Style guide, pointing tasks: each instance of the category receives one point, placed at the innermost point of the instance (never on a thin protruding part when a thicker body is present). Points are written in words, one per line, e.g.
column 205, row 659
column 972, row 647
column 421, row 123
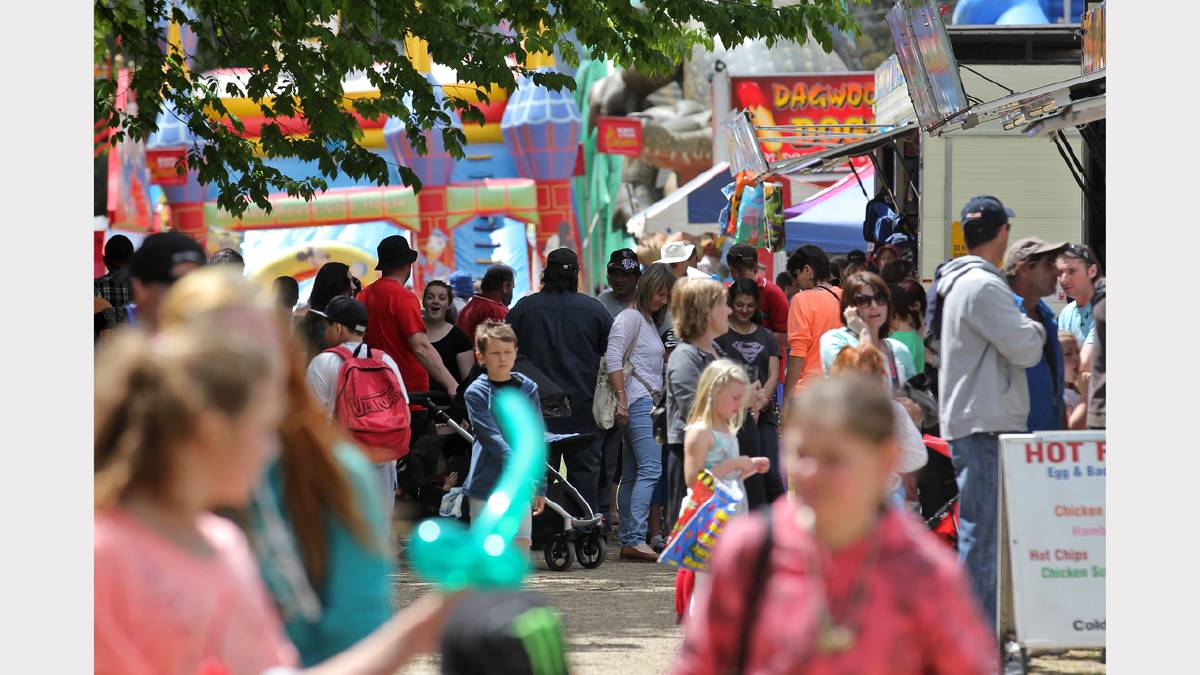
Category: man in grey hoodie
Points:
column 986, row 345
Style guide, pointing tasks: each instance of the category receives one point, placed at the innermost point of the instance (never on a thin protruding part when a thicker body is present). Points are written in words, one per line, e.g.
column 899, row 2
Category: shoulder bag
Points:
column 604, row 404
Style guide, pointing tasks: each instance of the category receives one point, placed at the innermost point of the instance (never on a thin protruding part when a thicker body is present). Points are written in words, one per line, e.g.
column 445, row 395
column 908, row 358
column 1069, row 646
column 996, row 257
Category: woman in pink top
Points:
column 185, row 422
column 833, row 581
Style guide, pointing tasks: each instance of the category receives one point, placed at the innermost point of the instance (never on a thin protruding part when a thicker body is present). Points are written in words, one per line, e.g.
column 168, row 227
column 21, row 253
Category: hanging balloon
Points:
column 483, row 557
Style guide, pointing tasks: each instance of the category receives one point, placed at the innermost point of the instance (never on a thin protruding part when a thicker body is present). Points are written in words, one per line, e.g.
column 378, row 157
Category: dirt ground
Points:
column 620, row 618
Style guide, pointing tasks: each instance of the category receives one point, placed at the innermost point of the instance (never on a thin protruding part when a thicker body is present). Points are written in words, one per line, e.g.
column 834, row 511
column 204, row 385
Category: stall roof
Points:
column 1076, row 113
column 693, row 208
column 1026, row 106
column 819, row 162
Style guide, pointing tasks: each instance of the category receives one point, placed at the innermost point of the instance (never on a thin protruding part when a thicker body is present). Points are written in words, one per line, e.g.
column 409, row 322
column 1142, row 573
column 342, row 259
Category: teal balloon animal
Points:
column 483, row 557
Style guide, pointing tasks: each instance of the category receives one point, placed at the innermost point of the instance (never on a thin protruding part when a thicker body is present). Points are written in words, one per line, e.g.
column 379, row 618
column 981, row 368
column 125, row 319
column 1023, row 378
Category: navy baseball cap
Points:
column 986, row 211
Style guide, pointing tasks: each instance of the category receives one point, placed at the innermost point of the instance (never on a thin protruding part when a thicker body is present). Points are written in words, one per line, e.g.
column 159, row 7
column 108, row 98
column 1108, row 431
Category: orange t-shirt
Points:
column 161, row 609
column 811, row 314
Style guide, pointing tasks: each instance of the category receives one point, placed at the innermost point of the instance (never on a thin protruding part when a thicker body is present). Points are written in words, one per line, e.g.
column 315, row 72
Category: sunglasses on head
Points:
column 862, row 300
column 1081, row 252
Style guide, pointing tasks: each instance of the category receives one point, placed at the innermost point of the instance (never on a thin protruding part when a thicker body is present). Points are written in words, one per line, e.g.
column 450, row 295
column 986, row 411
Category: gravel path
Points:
column 620, row 618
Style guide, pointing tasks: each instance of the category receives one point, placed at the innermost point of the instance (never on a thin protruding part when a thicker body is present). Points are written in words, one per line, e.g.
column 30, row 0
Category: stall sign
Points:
column 839, row 104
column 1053, row 494
column 619, row 136
column 162, row 161
column 1093, row 28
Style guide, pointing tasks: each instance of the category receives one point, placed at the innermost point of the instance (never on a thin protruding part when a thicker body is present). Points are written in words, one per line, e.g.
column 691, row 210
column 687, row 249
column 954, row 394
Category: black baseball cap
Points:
column 624, row 260
column 742, row 255
column 563, row 258
column 346, row 311
column 856, row 257
column 161, row 252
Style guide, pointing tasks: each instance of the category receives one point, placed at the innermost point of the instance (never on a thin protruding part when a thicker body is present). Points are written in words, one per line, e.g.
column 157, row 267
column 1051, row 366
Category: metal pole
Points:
column 722, row 103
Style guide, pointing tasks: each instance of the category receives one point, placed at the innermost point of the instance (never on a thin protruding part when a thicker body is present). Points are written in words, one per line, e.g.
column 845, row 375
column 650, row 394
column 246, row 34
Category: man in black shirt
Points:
column 565, row 334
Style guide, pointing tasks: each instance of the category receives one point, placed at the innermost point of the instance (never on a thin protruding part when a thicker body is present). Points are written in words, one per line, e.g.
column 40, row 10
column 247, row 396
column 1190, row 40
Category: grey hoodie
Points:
column 987, row 343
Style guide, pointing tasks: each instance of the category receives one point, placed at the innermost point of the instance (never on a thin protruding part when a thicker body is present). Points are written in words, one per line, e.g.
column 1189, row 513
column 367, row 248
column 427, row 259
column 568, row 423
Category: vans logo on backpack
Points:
column 374, row 404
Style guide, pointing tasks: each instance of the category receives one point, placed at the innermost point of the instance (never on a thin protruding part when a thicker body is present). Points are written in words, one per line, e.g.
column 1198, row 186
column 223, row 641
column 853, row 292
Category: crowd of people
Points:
column 250, row 448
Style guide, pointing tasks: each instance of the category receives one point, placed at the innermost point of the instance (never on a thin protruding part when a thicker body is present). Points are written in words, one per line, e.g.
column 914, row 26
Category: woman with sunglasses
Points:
column 866, row 319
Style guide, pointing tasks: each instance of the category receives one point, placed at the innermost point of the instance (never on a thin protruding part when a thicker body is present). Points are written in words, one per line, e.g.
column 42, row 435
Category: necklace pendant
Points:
column 835, row 639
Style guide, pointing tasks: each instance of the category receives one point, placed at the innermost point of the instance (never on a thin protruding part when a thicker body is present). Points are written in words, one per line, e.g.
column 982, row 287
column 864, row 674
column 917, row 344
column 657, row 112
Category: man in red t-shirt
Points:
column 773, row 303
column 394, row 320
column 491, row 302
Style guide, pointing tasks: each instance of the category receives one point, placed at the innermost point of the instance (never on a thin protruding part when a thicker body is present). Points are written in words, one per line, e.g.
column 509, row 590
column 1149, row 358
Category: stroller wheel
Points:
column 559, row 554
column 591, row 550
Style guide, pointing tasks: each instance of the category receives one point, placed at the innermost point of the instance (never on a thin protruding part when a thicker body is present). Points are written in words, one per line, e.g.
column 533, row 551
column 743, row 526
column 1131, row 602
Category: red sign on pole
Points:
column 832, row 107
column 161, row 163
column 619, row 136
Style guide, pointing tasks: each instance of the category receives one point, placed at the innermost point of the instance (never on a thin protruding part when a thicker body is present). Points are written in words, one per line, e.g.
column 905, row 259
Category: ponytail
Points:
column 150, row 393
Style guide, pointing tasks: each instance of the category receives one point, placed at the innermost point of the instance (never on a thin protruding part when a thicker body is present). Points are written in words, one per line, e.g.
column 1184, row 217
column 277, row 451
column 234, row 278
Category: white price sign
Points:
column 1054, row 504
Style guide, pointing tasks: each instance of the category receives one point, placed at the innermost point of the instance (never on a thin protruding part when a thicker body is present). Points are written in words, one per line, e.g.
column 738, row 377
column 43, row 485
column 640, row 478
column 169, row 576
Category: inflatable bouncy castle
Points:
column 508, row 200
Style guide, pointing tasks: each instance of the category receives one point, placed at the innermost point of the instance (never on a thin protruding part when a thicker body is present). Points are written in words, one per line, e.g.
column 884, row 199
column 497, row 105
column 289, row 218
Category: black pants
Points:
column 676, row 487
column 748, row 447
column 768, row 446
column 936, row 484
column 609, row 473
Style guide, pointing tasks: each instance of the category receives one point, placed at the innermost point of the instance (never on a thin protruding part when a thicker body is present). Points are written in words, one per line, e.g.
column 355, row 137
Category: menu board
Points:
column 1053, row 492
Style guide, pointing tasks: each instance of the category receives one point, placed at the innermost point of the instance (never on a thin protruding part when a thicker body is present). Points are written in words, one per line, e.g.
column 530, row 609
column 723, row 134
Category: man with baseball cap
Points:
column 1029, row 266
column 161, row 261
column 396, row 325
column 346, row 325
column 624, row 269
column 986, row 345
column 742, row 260
column 565, row 334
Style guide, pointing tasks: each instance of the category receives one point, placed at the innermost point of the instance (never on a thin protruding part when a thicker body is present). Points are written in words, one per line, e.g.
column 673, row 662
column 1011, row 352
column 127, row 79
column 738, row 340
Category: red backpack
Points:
column 370, row 404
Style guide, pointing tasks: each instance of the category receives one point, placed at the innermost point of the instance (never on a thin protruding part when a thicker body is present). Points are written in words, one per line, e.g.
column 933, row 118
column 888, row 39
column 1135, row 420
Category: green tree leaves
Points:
column 298, row 53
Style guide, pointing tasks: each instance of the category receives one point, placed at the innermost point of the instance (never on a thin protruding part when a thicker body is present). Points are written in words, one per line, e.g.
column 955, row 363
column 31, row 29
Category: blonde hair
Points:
column 493, row 330
column 692, row 301
column 718, row 374
column 314, row 483
column 150, row 393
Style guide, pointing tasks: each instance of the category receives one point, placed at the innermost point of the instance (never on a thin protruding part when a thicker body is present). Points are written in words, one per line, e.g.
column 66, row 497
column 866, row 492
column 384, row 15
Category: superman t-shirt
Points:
column 755, row 350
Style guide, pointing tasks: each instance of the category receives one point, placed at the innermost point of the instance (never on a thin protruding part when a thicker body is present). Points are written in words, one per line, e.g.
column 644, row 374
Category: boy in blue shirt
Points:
column 496, row 349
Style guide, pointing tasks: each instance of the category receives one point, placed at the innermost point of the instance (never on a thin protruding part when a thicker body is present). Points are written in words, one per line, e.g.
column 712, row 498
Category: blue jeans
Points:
column 641, row 467
column 977, row 468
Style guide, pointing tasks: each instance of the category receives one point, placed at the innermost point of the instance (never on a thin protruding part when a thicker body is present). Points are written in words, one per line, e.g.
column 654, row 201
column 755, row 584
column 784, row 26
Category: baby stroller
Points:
column 939, row 492
column 567, row 529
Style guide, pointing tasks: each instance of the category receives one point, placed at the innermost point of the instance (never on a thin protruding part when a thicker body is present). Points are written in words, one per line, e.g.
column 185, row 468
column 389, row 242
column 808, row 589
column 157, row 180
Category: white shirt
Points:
column 913, row 454
column 323, row 372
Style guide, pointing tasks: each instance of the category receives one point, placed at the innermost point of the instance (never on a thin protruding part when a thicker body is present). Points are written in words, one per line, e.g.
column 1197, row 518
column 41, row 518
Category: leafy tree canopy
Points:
column 299, row 52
